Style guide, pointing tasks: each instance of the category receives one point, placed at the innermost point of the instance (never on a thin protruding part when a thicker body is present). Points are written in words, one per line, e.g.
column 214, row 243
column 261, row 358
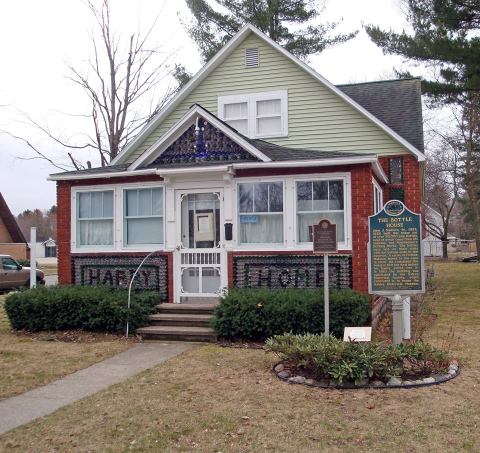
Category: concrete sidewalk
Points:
column 24, row 408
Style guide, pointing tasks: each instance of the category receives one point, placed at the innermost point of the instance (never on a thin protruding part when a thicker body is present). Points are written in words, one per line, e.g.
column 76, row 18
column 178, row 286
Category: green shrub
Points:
column 260, row 313
column 330, row 358
column 95, row 308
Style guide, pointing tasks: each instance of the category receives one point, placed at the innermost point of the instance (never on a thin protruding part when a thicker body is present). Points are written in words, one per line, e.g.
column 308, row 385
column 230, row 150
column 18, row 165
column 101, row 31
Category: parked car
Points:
column 14, row 275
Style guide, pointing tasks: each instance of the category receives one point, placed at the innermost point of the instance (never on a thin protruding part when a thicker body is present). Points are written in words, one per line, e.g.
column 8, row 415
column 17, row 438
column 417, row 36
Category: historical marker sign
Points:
column 324, row 237
column 395, row 251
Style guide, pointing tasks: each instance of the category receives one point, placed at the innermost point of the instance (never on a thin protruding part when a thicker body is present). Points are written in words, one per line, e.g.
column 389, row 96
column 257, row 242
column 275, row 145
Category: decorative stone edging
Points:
column 394, row 382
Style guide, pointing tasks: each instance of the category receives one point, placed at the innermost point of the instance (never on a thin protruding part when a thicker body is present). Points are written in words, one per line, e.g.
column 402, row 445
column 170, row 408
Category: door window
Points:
column 201, row 220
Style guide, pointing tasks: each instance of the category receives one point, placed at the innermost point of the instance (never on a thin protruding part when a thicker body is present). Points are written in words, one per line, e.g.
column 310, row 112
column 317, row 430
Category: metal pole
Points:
column 130, row 288
column 33, row 257
column 406, row 319
column 326, row 301
column 397, row 315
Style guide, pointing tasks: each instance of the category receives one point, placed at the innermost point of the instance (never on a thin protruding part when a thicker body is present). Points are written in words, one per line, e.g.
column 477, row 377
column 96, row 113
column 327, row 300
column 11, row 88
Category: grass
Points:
column 28, row 361
column 215, row 399
column 49, row 269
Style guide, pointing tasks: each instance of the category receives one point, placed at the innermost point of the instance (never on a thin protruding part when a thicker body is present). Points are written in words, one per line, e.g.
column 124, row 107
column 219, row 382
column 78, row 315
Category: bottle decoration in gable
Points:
column 202, row 142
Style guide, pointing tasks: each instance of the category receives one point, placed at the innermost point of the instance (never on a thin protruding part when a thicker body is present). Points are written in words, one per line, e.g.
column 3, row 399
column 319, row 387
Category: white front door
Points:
column 200, row 257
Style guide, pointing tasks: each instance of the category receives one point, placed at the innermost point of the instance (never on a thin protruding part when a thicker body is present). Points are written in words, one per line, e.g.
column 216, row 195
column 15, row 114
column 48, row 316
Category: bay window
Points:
column 95, row 218
column 256, row 115
column 317, row 200
column 143, row 216
column 260, row 207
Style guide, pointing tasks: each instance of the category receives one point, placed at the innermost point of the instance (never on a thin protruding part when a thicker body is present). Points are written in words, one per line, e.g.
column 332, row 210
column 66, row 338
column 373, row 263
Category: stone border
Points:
column 434, row 379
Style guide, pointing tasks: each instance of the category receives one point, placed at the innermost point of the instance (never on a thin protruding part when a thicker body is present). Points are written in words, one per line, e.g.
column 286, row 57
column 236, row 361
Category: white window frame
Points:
column 377, row 196
column 290, row 212
column 254, row 245
column 118, row 219
column 346, row 244
column 251, row 100
column 76, row 219
column 125, row 218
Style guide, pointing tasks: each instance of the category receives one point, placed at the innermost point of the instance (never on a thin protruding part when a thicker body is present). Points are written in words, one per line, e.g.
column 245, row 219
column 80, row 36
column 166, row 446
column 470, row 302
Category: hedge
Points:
column 252, row 313
column 93, row 308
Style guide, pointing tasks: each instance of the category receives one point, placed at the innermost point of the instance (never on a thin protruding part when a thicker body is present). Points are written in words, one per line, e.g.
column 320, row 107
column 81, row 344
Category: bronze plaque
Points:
column 324, row 237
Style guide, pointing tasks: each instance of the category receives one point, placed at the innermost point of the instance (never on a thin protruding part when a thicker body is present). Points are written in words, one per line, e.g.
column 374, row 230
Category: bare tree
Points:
column 468, row 145
column 442, row 185
column 119, row 81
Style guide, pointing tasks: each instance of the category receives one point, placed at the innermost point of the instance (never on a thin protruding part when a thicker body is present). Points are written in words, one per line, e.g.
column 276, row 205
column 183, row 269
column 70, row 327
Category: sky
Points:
column 39, row 39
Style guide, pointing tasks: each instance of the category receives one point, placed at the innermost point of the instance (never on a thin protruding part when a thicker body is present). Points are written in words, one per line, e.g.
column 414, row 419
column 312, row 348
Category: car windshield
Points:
column 10, row 264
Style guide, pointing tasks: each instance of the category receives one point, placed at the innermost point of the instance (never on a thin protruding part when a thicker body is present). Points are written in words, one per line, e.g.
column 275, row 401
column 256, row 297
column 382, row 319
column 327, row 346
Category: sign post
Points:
column 33, row 257
column 325, row 242
column 395, row 258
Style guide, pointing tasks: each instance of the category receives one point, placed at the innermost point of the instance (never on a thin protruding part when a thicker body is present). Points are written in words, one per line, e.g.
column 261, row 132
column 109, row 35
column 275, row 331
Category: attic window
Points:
column 252, row 58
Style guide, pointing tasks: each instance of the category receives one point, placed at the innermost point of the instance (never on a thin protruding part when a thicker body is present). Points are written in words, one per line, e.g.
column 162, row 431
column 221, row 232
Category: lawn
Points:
column 30, row 361
column 215, row 399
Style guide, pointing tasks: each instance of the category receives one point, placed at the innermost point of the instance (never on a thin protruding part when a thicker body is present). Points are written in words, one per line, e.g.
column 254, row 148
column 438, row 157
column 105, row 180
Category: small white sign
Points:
column 357, row 334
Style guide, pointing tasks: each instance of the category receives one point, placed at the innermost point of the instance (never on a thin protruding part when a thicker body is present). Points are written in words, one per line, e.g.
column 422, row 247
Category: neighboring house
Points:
column 432, row 246
column 229, row 177
column 45, row 249
column 12, row 241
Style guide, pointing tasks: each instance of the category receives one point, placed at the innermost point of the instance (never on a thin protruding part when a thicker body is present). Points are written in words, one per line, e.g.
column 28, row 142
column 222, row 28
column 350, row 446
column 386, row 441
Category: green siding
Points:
column 317, row 117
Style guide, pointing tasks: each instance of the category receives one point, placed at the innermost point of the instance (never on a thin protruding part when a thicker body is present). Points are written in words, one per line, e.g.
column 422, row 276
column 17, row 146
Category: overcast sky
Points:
column 38, row 39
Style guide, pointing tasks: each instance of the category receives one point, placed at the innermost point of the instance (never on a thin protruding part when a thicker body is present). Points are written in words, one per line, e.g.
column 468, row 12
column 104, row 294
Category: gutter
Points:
column 106, row 175
column 377, row 168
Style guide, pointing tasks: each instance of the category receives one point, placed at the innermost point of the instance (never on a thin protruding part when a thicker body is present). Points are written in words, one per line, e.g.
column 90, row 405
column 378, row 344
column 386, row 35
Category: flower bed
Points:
column 328, row 362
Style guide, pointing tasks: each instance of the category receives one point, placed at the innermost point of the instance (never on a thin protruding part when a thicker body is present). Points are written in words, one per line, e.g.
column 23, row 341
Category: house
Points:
column 226, row 181
column 45, row 249
column 432, row 246
column 12, row 241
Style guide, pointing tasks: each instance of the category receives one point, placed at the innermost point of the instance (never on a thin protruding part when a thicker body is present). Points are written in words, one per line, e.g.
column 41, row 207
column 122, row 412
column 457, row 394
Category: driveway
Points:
column 51, row 280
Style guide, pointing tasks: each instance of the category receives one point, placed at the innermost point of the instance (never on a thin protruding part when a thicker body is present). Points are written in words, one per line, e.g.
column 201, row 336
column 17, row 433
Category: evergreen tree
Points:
column 445, row 36
column 213, row 25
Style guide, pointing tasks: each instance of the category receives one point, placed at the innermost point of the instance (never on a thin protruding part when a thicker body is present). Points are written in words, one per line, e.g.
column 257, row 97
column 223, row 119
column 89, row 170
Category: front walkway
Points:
column 24, row 408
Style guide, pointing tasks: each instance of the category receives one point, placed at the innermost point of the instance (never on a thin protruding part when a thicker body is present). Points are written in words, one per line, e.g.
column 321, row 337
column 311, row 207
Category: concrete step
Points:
column 191, row 309
column 177, row 333
column 200, row 300
column 180, row 319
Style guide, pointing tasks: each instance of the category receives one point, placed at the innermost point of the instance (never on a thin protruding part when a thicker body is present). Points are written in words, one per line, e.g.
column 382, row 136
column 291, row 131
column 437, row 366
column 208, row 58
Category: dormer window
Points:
column 256, row 115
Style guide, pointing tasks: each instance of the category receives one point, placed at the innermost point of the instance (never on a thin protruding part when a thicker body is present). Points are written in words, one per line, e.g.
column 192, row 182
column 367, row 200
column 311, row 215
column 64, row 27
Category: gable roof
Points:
column 10, row 223
column 265, row 154
column 218, row 59
column 397, row 103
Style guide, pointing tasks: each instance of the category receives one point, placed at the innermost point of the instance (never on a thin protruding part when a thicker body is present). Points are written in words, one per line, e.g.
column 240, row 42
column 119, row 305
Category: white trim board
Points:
column 219, row 58
column 230, row 168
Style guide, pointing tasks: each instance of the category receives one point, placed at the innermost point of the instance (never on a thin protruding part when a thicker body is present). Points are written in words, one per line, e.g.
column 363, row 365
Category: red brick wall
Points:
column 412, row 181
column 63, row 232
column 362, row 207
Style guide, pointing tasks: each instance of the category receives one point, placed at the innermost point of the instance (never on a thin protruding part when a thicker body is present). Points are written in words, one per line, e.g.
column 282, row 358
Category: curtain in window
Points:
column 260, row 213
column 95, row 218
column 96, row 232
column 317, row 200
column 143, row 216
